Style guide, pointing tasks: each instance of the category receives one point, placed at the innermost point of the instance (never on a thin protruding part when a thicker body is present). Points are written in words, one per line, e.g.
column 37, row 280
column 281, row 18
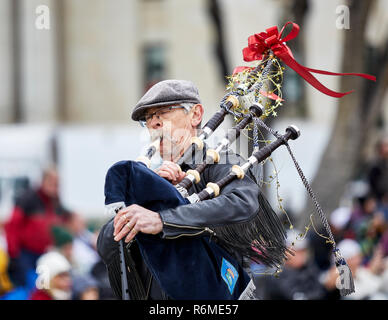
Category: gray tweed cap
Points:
column 166, row 93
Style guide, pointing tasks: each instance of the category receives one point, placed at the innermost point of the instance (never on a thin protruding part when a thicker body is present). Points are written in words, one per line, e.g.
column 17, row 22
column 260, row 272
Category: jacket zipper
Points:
column 206, row 229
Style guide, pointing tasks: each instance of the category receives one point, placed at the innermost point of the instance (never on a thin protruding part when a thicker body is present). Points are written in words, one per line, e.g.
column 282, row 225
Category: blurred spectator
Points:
column 85, row 288
column 5, row 282
column 363, row 209
column 368, row 281
column 378, row 171
column 300, row 278
column 340, row 220
column 63, row 242
column 84, row 253
column 383, row 206
column 370, row 235
column 384, row 243
column 55, row 279
column 368, row 224
column 77, row 244
column 322, row 251
column 100, row 274
column 3, row 239
column 28, row 231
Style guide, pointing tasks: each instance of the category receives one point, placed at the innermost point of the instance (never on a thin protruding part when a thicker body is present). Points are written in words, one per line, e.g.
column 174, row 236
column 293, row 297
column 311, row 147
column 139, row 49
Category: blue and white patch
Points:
column 229, row 274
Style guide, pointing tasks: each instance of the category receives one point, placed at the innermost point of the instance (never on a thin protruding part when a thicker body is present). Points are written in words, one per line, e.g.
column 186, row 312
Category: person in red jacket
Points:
column 28, row 231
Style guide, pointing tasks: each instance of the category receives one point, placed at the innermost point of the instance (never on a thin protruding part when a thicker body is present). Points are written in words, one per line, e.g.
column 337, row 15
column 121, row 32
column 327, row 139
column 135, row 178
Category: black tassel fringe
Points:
column 261, row 239
column 346, row 283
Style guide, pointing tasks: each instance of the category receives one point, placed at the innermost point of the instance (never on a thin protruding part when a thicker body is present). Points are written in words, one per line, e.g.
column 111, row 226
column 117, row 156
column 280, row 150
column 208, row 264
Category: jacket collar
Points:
column 198, row 158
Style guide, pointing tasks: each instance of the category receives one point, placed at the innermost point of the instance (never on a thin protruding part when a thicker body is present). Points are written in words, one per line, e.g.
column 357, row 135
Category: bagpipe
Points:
column 209, row 268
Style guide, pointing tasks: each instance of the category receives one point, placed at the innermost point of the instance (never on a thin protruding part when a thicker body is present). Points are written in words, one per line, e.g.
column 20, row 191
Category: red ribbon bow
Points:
column 259, row 43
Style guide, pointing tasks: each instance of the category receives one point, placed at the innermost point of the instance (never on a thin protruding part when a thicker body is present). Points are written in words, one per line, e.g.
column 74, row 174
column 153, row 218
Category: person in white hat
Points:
column 340, row 218
column 54, row 280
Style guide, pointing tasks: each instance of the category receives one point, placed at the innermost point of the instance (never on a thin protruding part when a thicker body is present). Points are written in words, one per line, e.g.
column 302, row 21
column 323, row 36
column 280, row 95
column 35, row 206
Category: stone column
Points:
column 38, row 61
column 102, row 78
column 6, row 62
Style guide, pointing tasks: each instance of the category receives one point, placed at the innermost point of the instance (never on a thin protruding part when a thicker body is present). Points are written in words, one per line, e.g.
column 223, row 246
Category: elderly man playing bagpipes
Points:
column 184, row 230
column 185, row 250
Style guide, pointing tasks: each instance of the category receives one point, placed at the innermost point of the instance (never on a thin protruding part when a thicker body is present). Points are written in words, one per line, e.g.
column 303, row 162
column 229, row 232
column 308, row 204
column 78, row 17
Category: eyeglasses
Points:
column 146, row 119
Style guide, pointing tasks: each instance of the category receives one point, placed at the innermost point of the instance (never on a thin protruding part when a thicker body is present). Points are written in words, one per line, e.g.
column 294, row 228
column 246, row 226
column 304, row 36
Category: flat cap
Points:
column 166, row 93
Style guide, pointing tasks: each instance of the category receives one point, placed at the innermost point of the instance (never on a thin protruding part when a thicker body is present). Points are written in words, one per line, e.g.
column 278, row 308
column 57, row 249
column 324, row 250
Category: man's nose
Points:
column 155, row 122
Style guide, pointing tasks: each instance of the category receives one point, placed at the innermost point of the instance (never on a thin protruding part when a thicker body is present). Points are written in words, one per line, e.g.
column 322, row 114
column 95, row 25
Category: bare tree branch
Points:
column 339, row 161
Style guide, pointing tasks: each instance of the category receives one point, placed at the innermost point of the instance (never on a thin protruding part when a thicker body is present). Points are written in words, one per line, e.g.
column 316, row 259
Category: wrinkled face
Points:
column 175, row 127
column 62, row 282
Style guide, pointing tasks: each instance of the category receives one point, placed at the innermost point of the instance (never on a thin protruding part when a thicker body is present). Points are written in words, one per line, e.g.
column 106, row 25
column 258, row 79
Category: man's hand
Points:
column 171, row 171
column 133, row 219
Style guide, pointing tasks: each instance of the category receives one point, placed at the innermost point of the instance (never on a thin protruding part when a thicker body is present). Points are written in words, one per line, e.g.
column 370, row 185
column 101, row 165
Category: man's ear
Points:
column 197, row 113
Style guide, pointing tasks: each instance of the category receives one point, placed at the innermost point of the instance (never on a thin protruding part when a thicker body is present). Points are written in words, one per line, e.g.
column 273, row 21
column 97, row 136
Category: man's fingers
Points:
column 167, row 175
column 121, row 221
column 173, row 178
column 181, row 176
column 174, row 173
column 142, row 220
column 125, row 229
column 118, row 224
column 119, row 215
column 131, row 234
column 177, row 169
column 167, row 163
column 172, row 167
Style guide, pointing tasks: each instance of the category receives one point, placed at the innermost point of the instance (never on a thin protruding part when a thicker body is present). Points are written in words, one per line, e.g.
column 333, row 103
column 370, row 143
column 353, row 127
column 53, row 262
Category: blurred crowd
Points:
column 48, row 252
column 360, row 231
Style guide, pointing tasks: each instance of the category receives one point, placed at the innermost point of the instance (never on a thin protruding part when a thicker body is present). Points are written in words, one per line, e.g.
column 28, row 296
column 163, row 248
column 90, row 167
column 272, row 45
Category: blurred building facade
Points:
column 98, row 57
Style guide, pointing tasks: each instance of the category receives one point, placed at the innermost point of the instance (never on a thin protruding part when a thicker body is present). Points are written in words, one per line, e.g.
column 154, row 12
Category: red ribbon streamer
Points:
column 270, row 95
column 272, row 39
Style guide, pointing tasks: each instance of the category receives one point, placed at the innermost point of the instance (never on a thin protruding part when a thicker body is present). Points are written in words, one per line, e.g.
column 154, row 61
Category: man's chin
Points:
column 168, row 155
